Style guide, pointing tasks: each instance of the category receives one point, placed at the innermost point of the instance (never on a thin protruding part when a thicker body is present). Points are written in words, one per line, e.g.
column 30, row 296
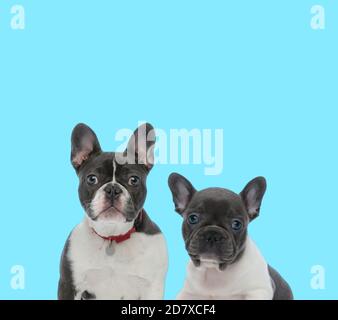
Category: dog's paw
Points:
column 87, row 296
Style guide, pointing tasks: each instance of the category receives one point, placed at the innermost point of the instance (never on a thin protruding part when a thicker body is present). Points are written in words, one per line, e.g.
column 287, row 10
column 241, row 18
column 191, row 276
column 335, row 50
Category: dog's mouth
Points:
column 221, row 262
column 217, row 256
column 109, row 212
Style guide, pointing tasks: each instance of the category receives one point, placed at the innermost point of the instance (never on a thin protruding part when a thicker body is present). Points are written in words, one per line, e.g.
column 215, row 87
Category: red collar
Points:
column 120, row 238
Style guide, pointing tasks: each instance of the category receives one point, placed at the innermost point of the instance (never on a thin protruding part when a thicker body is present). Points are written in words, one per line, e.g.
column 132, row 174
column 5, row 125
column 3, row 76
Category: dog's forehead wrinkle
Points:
column 125, row 170
column 102, row 161
column 217, row 201
column 218, row 194
column 128, row 166
column 195, row 207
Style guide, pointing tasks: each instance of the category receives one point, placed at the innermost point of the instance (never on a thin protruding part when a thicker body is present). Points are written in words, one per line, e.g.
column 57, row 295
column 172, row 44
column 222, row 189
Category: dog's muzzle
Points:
column 212, row 243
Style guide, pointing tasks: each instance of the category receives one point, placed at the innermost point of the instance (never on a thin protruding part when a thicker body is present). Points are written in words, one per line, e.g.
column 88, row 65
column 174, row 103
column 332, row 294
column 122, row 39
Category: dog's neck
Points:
column 247, row 273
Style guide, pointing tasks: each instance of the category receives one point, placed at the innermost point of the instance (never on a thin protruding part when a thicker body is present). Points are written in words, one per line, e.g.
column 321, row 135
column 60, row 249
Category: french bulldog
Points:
column 225, row 263
column 116, row 252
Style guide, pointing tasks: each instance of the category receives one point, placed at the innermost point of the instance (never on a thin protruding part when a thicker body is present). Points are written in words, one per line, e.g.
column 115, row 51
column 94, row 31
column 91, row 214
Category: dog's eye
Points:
column 236, row 225
column 92, row 179
column 193, row 218
column 134, row 181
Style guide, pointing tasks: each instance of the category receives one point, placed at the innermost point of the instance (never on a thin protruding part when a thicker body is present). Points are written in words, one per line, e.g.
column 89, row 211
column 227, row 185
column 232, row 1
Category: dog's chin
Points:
column 110, row 222
column 211, row 261
column 111, row 214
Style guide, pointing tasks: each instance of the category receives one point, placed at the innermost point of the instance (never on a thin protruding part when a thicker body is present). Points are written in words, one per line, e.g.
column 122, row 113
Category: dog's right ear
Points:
column 182, row 191
column 84, row 145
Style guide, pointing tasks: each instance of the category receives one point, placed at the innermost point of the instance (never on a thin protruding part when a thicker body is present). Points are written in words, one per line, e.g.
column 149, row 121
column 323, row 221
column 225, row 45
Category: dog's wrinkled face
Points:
column 112, row 186
column 216, row 220
column 107, row 188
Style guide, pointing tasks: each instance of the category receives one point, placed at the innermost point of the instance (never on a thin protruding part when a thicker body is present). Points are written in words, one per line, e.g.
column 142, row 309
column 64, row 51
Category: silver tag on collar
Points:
column 110, row 249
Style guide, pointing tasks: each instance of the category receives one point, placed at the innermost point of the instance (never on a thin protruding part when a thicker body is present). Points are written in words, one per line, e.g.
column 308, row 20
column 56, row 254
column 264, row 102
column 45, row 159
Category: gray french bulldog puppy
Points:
column 116, row 252
column 225, row 262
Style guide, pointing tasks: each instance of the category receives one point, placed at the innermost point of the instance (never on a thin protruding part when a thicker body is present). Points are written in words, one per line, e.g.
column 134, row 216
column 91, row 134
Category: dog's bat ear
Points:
column 182, row 191
column 252, row 196
column 140, row 149
column 84, row 145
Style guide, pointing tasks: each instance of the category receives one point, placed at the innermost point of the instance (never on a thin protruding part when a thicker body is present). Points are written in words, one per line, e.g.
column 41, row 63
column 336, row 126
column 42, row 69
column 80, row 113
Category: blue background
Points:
column 254, row 68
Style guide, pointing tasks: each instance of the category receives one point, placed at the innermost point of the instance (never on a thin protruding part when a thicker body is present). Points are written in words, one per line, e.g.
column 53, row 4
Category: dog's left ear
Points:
column 252, row 196
column 182, row 191
column 140, row 149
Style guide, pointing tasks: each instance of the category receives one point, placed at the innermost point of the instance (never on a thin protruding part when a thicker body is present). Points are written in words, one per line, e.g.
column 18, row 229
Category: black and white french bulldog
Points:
column 116, row 252
column 225, row 262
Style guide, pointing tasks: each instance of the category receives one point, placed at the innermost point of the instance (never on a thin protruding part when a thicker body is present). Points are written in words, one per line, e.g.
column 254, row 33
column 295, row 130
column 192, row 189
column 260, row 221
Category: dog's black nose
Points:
column 113, row 191
column 213, row 237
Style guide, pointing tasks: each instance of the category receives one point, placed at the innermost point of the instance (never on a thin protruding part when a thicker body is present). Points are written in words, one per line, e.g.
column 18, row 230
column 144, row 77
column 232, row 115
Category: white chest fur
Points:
column 136, row 270
column 248, row 279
